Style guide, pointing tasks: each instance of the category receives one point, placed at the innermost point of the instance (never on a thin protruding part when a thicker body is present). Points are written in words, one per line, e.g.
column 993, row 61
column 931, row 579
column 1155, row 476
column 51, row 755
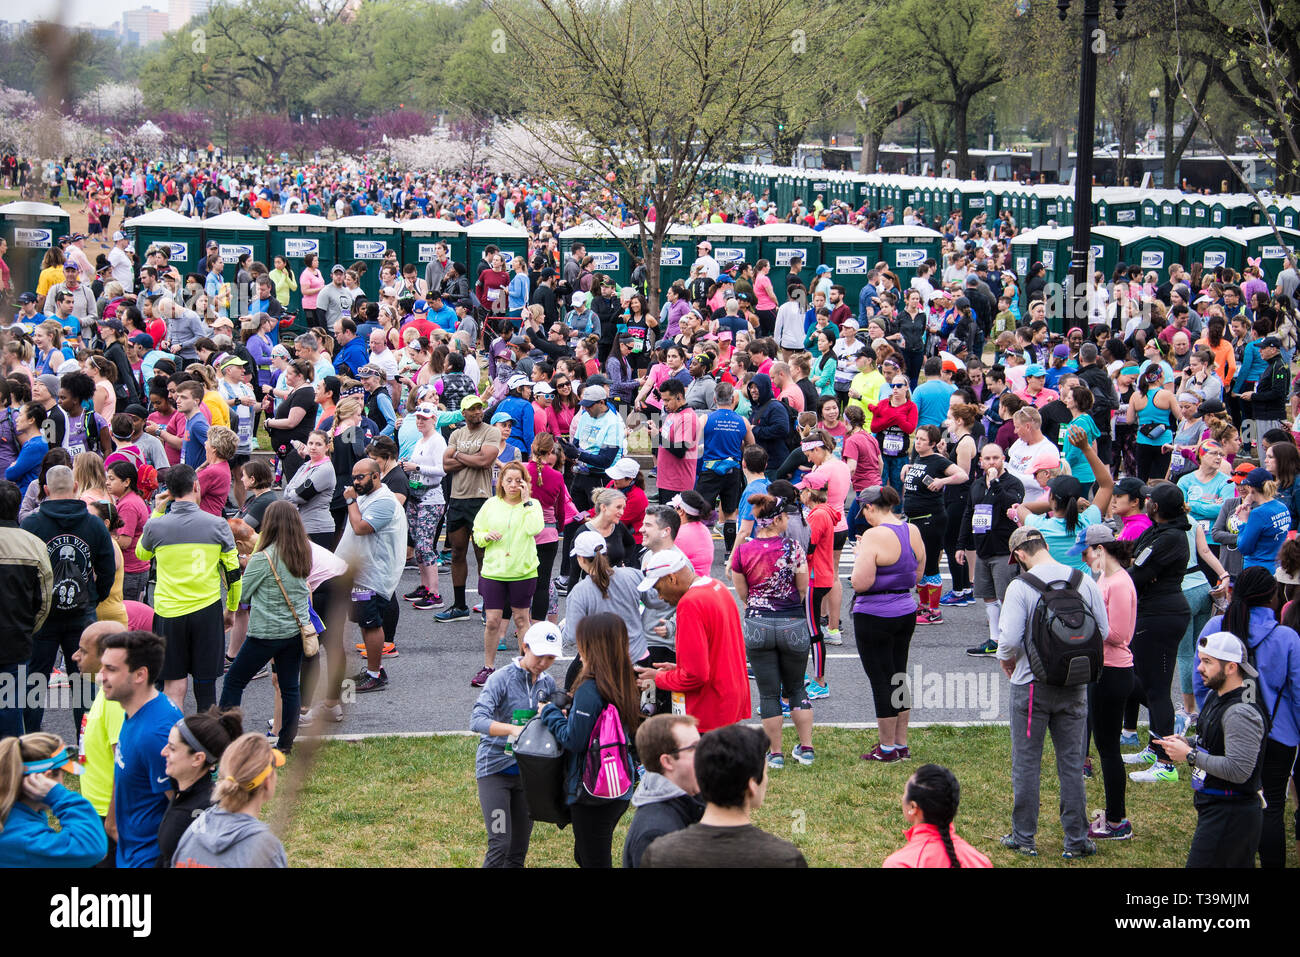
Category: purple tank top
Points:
column 891, row 594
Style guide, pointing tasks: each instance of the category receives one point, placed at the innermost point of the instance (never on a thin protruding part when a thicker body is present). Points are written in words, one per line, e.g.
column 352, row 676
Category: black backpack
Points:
column 1065, row 642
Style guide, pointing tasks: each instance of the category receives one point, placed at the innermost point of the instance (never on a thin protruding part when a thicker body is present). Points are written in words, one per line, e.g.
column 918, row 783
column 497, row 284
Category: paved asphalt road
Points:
column 429, row 689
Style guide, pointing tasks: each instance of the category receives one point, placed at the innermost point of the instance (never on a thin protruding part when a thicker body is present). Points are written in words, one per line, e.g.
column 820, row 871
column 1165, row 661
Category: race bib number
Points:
column 982, row 521
column 893, row 444
column 493, row 295
column 679, row 702
column 362, row 594
column 245, row 415
column 75, row 450
column 1176, row 460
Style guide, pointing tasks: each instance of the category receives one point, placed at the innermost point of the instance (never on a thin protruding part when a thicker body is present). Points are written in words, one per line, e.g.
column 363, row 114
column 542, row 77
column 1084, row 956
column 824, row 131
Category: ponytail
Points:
column 934, row 789
column 1255, row 588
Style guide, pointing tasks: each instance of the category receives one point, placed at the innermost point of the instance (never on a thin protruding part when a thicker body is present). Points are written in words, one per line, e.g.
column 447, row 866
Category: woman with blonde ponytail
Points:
column 31, row 783
column 230, row 833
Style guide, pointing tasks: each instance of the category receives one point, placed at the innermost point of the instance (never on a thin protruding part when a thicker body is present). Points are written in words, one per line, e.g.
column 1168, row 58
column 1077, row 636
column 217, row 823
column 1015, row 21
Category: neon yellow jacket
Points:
column 514, row 556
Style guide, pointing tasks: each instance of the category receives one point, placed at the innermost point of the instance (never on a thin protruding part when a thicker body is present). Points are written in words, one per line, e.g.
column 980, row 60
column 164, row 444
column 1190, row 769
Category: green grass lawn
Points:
column 413, row 802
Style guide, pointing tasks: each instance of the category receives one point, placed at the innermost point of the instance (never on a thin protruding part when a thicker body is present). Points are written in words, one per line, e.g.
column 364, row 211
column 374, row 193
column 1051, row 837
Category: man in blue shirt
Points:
column 352, row 348
column 726, row 435
column 756, row 483
column 130, row 664
column 189, row 400
column 440, row 313
column 931, row 396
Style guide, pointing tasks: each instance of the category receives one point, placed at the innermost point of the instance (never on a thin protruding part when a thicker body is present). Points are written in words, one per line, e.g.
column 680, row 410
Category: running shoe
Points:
column 1129, row 739
column 454, row 613
column 370, row 683
column 818, row 691
column 481, row 678
column 1103, row 830
column 502, row 646
column 927, row 617
column 390, row 649
column 1157, row 772
column 804, row 756
column 880, row 754
column 479, row 608
column 1087, row 767
column 264, row 673
column 951, row 598
column 1086, row 849
column 321, row 713
column 904, row 752
column 561, row 588
column 776, row 761
column 420, row 592
column 383, row 673
column 785, row 708
column 1145, row 756
column 1009, row 842
column 833, row 637
column 987, row 650
column 1183, row 721
column 428, row 602
column 58, row 679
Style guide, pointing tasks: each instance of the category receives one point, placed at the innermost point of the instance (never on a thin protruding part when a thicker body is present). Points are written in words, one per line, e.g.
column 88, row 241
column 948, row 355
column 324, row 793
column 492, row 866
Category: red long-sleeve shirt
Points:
column 710, row 657
column 884, row 414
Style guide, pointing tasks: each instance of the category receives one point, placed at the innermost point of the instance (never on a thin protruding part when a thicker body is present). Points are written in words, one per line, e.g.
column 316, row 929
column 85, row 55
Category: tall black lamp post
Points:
column 1093, row 39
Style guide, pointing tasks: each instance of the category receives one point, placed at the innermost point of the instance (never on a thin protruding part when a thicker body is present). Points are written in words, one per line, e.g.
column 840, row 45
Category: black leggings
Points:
column 932, row 528
column 960, row 572
column 593, row 832
column 542, row 594
column 1106, row 700
column 1155, row 656
column 1279, row 760
column 1151, row 462
column 883, row 644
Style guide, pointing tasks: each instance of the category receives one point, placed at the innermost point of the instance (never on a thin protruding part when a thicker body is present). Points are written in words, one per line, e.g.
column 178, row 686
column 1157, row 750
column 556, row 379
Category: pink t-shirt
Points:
column 658, row 375
column 214, row 485
column 838, row 482
column 793, row 396
column 863, row 448
column 134, row 513
column 548, row 489
column 1120, row 598
column 139, row 616
column 696, row 543
column 678, row 428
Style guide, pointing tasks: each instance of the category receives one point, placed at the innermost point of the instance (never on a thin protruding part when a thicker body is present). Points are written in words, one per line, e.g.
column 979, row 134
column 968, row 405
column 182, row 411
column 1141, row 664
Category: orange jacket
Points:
column 925, row 849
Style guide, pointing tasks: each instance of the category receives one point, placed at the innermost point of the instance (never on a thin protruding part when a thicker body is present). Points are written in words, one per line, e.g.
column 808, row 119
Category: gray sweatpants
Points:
column 505, row 814
column 1063, row 712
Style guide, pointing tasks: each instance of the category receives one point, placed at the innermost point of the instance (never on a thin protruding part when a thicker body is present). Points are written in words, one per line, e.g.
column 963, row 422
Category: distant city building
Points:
column 181, row 12
column 144, row 26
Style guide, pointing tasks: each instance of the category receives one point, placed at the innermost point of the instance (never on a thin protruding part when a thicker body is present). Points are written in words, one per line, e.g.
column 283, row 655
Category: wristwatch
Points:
column 1191, row 758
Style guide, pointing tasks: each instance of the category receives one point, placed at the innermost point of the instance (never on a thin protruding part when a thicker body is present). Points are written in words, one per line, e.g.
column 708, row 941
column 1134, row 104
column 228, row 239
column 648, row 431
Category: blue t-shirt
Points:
column 931, row 398
column 1074, row 456
column 756, row 487
column 194, row 452
column 141, row 783
column 1204, row 499
column 1060, row 539
column 724, row 438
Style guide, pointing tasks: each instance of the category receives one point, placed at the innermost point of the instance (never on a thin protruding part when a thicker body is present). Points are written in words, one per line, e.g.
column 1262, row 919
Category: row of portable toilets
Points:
column 31, row 229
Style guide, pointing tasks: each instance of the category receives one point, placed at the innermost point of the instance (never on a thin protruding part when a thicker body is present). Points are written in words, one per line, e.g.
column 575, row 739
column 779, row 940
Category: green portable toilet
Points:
column 1118, row 207
column 1170, row 200
column 609, row 255
column 293, row 236
column 973, row 202
column 1023, row 249
column 1261, row 243
column 732, row 244
column 237, row 235
column 163, row 227
column 511, row 240
column 31, row 229
column 1054, row 247
column 905, row 248
column 1195, row 212
column 367, row 240
column 421, row 236
column 850, row 253
column 1065, row 211
column 676, row 256
column 1149, row 214
column 1154, row 252
column 1109, row 243
column 1289, row 214
column 779, row 242
column 1234, row 210
column 1211, row 249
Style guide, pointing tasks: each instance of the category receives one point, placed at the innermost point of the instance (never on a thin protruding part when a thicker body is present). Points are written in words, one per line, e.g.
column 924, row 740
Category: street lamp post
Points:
column 1154, row 95
column 1093, row 40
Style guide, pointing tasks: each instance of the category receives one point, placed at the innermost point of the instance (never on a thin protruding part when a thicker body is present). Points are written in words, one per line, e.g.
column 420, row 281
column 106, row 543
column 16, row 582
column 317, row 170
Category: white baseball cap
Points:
column 544, row 638
column 660, row 565
column 624, row 468
column 589, row 544
column 426, row 411
column 1226, row 646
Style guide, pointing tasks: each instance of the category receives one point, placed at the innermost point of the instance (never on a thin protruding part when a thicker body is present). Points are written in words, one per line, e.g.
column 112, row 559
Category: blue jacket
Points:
column 27, row 466
column 1251, row 368
column 354, row 354
column 523, row 430
column 1263, row 534
column 28, row 840
column 573, row 732
column 770, row 421
column 1276, row 649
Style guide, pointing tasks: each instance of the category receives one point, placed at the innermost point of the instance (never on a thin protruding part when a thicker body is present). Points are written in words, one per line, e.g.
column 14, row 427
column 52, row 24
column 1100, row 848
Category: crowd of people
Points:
column 188, row 499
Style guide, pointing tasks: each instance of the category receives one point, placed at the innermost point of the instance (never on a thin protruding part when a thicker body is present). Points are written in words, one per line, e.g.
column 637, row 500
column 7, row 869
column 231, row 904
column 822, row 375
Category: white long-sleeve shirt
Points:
column 789, row 326
column 427, row 454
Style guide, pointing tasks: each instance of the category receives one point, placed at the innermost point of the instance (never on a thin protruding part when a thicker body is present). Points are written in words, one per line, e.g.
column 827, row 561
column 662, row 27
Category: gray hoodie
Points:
column 220, row 838
column 660, row 807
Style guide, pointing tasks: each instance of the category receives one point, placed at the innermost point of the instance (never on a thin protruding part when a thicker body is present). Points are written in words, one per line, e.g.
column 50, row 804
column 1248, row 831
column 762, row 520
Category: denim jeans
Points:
column 255, row 653
column 892, row 471
column 57, row 633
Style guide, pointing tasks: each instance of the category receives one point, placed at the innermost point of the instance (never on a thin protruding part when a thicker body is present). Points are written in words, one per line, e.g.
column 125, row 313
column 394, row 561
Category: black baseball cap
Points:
column 1133, row 487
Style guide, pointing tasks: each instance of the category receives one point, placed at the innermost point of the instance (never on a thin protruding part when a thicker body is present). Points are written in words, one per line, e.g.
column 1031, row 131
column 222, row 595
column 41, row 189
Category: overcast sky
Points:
column 101, row 13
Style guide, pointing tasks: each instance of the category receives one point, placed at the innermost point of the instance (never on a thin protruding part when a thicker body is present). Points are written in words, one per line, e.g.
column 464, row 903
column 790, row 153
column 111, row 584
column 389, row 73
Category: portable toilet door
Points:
column 1214, row 249
column 1055, row 244
column 905, row 248
column 1023, row 248
column 1289, row 215
column 1154, row 252
column 973, row 202
column 420, row 238
column 1244, row 211
column 851, row 253
column 1169, row 204
column 163, row 227
column 779, row 243
column 609, row 256
column 31, row 230
column 1149, row 214
column 1065, row 211
column 294, row 236
column 367, row 240
column 238, row 235
column 732, row 244
column 1108, row 243
column 511, row 240
column 676, row 256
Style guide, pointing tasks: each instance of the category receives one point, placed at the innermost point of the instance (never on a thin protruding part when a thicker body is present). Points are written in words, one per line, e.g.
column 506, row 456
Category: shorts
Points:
column 196, row 643
column 992, row 576
column 504, row 596
column 370, row 612
column 462, row 512
column 725, row 486
column 838, row 542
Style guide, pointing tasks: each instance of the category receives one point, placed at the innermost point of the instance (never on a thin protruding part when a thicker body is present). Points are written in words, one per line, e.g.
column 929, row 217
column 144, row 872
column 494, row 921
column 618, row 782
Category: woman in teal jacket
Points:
column 31, row 780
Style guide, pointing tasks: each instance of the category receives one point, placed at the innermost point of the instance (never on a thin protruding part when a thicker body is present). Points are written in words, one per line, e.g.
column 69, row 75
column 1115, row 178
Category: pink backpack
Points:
column 607, row 773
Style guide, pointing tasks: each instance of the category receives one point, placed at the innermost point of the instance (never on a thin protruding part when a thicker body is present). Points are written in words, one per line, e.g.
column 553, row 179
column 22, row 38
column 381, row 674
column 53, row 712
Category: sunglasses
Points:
column 898, row 385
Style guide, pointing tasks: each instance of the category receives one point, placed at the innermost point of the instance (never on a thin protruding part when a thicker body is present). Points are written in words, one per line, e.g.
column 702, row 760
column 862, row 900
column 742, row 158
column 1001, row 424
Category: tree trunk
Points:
column 1287, row 176
column 784, row 144
column 870, row 148
column 1172, row 156
column 960, row 114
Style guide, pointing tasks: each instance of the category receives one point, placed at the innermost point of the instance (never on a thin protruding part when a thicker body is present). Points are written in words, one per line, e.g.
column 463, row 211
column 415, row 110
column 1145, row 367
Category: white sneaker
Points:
column 1145, row 756
column 1157, row 772
column 834, row 637
column 320, row 712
